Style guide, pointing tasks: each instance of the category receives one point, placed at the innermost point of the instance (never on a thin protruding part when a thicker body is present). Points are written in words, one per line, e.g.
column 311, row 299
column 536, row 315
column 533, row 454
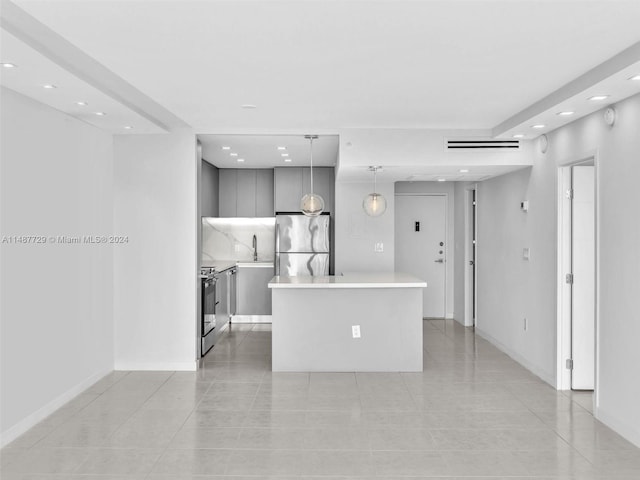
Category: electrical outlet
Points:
column 355, row 331
column 236, row 247
column 526, row 324
column 378, row 247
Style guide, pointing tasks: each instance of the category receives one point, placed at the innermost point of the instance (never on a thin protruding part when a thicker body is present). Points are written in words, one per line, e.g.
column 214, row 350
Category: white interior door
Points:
column 420, row 246
column 583, row 269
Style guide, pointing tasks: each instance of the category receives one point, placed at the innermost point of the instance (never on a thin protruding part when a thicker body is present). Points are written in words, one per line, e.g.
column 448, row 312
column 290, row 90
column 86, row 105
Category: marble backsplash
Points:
column 232, row 238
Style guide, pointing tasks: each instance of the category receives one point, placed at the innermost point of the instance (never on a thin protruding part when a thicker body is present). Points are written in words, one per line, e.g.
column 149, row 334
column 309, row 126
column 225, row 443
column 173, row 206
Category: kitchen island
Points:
column 349, row 323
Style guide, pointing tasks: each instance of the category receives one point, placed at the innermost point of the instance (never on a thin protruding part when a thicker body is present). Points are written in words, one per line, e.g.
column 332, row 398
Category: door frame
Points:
column 470, row 233
column 563, row 334
column 446, row 238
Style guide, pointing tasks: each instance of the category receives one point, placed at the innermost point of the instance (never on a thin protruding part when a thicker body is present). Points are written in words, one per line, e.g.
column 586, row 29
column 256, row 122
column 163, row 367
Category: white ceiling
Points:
column 336, row 64
column 33, row 70
column 323, row 66
column 261, row 151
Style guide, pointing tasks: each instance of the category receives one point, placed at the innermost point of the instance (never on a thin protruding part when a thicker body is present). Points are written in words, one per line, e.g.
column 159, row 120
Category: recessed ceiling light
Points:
column 598, row 97
column 635, row 77
column 100, row 114
column 540, row 125
column 284, row 154
column 128, row 127
column 233, row 154
column 565, row 114
column 282, row 148
column 241, row 160
column 287, row 160
column 9, row 65
column 226, row 148
column 441, row 180
column 463, row 170
column 518, row 135
column 82, row 104
column 249, row 106
column 49, row 86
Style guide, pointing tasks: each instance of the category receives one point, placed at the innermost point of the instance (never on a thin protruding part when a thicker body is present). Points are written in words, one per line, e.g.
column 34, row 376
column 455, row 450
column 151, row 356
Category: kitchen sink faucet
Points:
column 255, row 248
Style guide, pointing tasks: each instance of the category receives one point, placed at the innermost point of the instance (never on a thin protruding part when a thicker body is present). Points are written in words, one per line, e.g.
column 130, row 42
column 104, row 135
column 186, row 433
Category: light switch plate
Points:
column 526, row 253
column 378, row 247
column 355, row 330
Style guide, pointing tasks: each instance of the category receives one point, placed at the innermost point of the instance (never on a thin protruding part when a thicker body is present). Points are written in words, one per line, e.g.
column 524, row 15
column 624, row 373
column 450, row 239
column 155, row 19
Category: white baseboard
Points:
column 30, row 421
column 449, row 316
column 622, row 427
column 157, row 366
column 545, row 376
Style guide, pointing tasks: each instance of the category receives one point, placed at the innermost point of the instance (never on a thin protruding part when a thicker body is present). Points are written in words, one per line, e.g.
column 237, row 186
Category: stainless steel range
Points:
column 208, row 316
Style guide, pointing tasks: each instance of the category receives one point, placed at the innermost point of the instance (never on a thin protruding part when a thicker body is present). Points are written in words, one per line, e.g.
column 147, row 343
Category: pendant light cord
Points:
column 375, row 170
column 311, row 151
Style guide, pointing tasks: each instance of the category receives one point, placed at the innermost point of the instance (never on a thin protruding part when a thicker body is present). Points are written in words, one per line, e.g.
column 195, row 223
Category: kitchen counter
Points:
column 358, row 322
column 352, row 280
column 219, row 265
column 256, row 264
column 222, row 265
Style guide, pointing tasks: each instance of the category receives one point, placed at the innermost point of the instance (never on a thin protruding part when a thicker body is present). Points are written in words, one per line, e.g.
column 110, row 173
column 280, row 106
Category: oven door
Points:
column 208, row 314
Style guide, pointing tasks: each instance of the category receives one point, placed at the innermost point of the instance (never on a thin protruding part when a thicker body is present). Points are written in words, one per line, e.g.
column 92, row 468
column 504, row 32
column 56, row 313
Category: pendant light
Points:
column 311, row 204
column 374, row 204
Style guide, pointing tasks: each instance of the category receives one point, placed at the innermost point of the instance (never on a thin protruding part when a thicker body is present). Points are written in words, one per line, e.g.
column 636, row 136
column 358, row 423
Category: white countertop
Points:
column 352, row 280
column 256, row 264
column 219, row 265
column 222, row 265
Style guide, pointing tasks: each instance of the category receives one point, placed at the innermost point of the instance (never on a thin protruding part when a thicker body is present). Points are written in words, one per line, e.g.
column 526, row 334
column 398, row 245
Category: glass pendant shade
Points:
column 374, row 204
column 312, row 205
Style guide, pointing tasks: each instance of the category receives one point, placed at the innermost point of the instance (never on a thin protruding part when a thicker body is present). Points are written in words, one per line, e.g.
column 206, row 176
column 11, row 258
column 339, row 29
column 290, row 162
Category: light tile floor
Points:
column 472, row 413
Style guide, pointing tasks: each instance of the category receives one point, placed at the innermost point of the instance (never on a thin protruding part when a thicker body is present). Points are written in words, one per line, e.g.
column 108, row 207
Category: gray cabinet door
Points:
column 323, row 185
column 288, row 189
column 228, row 189
column 253, row 294
column 264, row 192
column 246, row 193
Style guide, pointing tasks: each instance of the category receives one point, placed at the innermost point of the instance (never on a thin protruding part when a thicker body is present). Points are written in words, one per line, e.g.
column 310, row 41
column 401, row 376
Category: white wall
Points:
column 446, row 188
column 510, row 288
column 156, row 273
column 57, row 318
column 356, row 233
column 618, row 170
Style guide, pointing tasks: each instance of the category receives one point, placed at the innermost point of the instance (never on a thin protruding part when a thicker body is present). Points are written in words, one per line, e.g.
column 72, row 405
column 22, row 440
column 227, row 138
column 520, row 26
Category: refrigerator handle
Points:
column 277, row 262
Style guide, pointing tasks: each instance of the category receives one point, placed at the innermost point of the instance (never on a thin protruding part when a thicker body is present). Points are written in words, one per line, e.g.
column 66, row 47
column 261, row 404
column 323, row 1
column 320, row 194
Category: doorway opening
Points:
column 577, row 276
column 470, row 254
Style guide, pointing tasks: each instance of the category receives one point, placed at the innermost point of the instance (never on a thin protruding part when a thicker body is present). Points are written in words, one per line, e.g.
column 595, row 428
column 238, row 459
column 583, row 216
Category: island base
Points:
column 312, row 330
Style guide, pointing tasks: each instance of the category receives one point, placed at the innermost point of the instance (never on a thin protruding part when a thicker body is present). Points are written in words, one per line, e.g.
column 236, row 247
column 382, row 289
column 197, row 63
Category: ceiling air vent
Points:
column 475, row 144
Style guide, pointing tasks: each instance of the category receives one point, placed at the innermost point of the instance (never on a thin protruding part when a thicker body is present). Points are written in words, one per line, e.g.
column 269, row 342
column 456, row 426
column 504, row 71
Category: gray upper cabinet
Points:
column 293, row 182
column 246, row 192
column 288, row 189
column 227, row 188
column 264, row 193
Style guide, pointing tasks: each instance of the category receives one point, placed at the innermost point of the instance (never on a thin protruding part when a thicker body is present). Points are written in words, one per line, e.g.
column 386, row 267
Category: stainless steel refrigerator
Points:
column 303, row 245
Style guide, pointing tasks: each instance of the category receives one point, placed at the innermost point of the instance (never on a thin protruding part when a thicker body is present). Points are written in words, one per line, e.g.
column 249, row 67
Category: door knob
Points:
column 440, row 260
